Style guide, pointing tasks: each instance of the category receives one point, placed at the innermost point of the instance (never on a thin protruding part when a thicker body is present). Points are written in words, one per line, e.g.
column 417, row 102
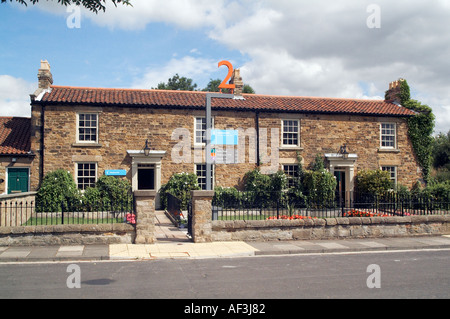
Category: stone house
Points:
column 96, row 131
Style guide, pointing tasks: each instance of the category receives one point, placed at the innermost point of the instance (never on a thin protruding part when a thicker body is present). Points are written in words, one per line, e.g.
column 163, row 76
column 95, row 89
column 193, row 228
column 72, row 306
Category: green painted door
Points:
column 17, row 180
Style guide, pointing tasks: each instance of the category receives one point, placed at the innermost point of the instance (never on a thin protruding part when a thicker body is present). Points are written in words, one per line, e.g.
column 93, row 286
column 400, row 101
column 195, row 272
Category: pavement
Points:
column 174, row 243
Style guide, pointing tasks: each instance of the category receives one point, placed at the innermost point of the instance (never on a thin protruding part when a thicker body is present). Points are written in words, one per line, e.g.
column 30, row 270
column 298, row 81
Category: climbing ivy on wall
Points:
column 420, row 129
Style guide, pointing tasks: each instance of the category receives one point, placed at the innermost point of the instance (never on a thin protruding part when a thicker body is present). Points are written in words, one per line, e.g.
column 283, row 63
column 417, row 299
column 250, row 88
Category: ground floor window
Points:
column 393, row 173
column 291, row 172
column 200, row 170
column 86, row 175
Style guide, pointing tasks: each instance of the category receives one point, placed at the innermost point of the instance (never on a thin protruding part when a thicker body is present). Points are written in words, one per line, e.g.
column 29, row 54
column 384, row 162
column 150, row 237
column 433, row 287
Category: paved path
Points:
column 166, row 232
column 174, row 243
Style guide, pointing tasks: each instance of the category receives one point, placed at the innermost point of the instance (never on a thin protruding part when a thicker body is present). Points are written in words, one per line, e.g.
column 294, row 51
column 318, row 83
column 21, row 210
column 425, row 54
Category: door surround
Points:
column 346, row 164
column 153, row 158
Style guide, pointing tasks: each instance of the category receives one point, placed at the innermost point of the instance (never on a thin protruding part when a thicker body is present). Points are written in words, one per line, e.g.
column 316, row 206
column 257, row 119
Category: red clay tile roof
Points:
column 251, row 102
column 15, row 135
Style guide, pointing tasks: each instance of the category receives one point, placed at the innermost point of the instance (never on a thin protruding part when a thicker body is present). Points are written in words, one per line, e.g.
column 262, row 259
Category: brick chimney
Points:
column 45, row 80
column 45, row 76
column 393, row 94
column 236, row 79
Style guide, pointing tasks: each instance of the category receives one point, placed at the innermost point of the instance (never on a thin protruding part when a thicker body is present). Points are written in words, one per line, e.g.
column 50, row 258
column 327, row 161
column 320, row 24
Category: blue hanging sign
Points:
column 115, row 172
column 224, row 137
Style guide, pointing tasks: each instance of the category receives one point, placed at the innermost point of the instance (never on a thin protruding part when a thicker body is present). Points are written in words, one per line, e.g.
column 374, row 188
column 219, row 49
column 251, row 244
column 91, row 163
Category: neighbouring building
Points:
column 96, row 131
column 15, row 156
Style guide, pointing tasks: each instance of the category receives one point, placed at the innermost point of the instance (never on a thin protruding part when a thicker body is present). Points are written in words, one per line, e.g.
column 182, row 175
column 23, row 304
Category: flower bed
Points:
column 291, row 217
column 358, row 213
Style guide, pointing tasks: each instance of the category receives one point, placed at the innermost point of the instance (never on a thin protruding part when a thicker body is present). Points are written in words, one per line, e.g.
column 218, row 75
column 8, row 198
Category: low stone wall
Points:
column 330, row 228
column 67, row 235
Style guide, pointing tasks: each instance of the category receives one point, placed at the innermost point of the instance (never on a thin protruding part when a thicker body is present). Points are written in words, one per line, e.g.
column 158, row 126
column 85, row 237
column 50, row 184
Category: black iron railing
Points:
column 284, row 205
column 28, row 213
column 175, row 209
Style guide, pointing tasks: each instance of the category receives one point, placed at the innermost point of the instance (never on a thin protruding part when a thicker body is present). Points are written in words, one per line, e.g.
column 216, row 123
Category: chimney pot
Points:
column 393, row 94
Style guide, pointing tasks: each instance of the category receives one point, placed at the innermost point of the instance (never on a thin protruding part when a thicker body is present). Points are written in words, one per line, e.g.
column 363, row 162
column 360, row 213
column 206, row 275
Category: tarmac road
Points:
column 400, row 274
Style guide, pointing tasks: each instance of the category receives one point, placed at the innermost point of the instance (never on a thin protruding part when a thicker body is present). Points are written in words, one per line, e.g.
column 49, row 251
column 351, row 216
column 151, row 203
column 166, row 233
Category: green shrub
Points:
column 113, row 191
column 255, row 181
column 373, row 182
column 438, row 191
column 319, row 187
column 58, row 190
column 318, row 164
column 265, row 189
column 227, row 197
column 402, row 191
column 92, row 200
column 180, row 185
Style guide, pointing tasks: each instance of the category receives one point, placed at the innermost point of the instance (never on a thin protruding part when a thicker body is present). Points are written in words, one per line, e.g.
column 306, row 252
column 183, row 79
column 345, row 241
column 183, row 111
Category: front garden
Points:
column 312, row 194
column 59, row 201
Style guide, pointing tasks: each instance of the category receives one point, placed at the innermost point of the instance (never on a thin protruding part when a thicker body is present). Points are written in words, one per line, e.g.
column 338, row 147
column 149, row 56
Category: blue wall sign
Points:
column 115, row 172
column 224, row 137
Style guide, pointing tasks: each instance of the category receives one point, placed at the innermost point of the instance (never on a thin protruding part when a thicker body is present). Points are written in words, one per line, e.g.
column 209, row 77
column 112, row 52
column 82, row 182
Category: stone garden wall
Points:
column 330, row 228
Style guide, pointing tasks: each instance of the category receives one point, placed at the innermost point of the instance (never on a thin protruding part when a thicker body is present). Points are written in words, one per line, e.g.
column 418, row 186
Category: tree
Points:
column 92, row 5
column 213, row 86
column 441, row 157
column 178, row 83
column 248, row 89
column 441, row 151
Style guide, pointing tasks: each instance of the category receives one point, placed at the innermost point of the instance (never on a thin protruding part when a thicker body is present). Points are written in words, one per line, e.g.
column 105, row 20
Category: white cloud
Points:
column 324, row 48
column 190, row 67
column 15, row 96
column 442, row 113
column 185, row 14
column 313, row 48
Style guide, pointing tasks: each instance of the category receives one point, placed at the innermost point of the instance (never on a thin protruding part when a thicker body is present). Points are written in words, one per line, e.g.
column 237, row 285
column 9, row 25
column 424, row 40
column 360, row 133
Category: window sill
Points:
column 388, row 150
column 86, row 145
column 291, row 148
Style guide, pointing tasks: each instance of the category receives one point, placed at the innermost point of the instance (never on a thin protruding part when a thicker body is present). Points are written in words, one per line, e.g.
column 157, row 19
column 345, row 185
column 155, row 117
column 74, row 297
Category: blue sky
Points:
column 93, row 55
column 283, row 47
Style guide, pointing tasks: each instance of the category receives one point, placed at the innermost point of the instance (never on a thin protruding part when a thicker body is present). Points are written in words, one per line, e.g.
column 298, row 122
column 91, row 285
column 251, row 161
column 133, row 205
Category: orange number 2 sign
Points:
column 224, row 84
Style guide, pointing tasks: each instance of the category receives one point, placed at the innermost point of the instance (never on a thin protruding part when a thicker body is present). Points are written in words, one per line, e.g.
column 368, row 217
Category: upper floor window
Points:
column 291, row 133
column 388, row 135
column 200, row 129
column 87, row 129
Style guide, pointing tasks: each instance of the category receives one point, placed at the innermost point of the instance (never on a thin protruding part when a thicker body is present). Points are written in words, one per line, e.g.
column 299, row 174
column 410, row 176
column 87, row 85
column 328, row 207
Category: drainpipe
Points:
column 41, row 173
column 257, row 138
